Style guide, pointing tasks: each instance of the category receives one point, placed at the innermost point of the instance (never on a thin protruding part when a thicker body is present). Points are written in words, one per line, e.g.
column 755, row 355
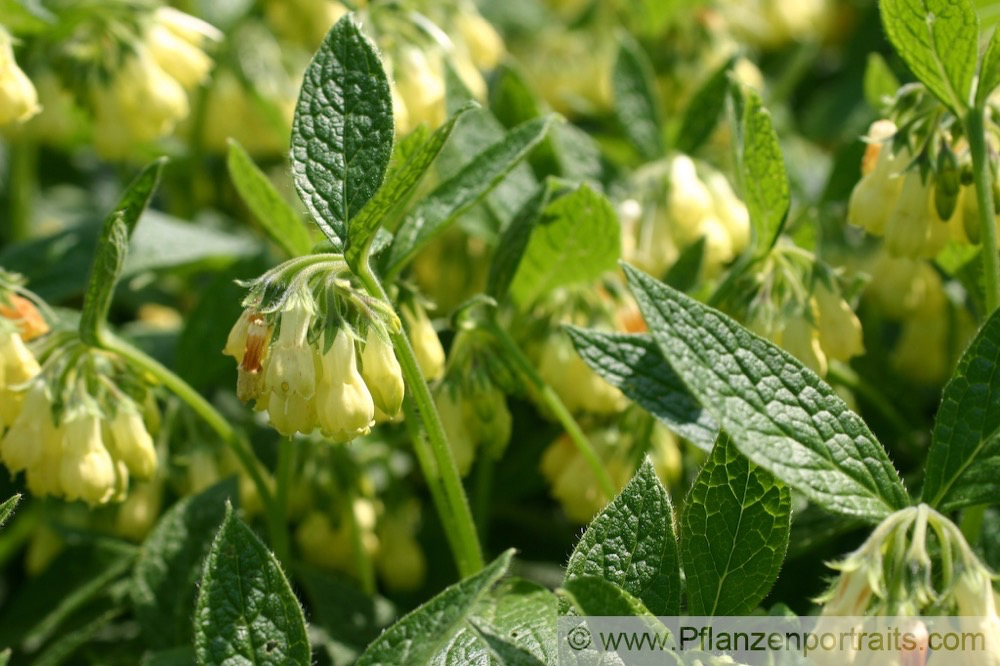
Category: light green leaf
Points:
column 703, row 113
column 880, row 83
column 503, row 649
column 734, row 532
column 246, row 611
column 274, row 214
column 396, row 189
column 460, row 192
column 635, row 104
column 989, row 71
column 631, row 543
column 343, row 129
column 166, row 574
column 5, row 657
column 938, row 40
column 112, row 246
column 765, row 182
column 7, row 508
column 963, row 463
column 577, row 239
column 634, row 364
column 439, row 627
column 779, row 413
column 594, row 595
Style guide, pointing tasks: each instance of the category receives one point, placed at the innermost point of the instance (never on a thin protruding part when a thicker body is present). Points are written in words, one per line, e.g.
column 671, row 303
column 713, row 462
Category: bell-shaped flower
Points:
column 132, row 441
column 580, row 388
column 910, row 224
column 18, row 97
column 17, row 366
column 729, row 210
column 426, row 344
column 400, row 562
column 345, row 408
column 840, row 333
column 382, row 373
column 87, row 471
column 21, row 446
column 290, row 368
column 689, row 201
column 175, row 40
column 874, row 197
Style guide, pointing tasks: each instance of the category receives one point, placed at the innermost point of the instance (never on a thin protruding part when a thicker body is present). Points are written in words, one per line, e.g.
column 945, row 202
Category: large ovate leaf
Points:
column 765, row 182
column 343, row 129
column 634, row 364
column 779, row 413
column 438, row 631
column 734, row 532
column 631, row 543
column 938, row 40
column 246, row 612
column 963, row 463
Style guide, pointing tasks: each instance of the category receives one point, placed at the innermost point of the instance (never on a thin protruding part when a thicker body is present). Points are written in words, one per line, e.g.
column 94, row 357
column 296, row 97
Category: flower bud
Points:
column 382, row 374
column 840, row 333
column 485, row 45
column 87, row 471
column 175, row 40
column 132, row 442
column 18, row 97
column 453, row 420
column 426, row 345
column 22, row 445
column 689, row 200
column 345, row 407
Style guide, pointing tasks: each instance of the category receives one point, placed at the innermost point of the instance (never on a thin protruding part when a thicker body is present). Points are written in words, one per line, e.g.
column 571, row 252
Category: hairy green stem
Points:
column 555, row 404
column 456, row 516
column 982, row 174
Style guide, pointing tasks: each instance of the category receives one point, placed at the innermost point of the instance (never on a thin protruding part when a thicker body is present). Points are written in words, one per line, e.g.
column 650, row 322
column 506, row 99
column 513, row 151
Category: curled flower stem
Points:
column 982, row 174
column 452, row 504
column 554, row 403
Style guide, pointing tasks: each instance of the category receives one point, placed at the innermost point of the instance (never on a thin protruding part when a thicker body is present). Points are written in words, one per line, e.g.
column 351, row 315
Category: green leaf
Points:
column 178, row 656
column 512, row 100
column 166, row 574
column 631, row 543
column 423, row 634
column 396, row 189
column 735, row 530
column 514, row 241
column 765, row 182
column 112, row 246
column 343, row 129
column 779, row 413
column 938, row 40
column 7, row 508
column 880, row 83
column 684, row 274
column 634, row 364
column 523, row 615
column 577, row 239
column 503, row 649
column 635, row 105
column 989, row 71
column 163, row 242
column 460, row 192
column 246, row 611
column 275, row 215
column 963, row 463
column 703, row 112
column 5, row 657
column 594, row 595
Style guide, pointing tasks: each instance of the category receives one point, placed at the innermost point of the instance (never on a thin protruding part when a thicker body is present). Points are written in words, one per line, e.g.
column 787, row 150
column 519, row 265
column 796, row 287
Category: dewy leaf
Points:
column 457, row 194
column 7, row 508
column 635, row 99
column 634, row 364
column 631, row 544
column 343, row 129
column 577, row 239
column 274, row 214
column 246, row 610
column 765, row 182
column 963, row 463
column 112, row 246
column 779, row 413
column 166, row 574
column 428, row 633
column 989, row 71
column 734, row 532
column 704, row 111
column 401, row 182
column 938, row 40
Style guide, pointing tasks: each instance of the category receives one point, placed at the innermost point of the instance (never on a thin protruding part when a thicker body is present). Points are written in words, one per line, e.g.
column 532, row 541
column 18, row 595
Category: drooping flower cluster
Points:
column 306, row 372
column 18, row 97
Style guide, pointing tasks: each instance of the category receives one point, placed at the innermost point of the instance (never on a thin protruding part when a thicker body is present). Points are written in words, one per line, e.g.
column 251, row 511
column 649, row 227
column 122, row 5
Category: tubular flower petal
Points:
column 426, row 345
column 133, row 443
column 382, row 374
column 86, row 471
column 345, row 408
column 18, row 97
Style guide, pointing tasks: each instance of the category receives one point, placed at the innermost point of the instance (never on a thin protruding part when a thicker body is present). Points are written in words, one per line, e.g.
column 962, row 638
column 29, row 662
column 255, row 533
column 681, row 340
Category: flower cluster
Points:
column 18, row 97
column 676, row 202
column 305, row 373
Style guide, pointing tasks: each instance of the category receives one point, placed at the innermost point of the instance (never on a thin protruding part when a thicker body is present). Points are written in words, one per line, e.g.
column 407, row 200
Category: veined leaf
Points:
column 594, row 595
column 765, row 182
column 989, row 70
column 703, row 113
column 523, row 615
column 635, row 99
column 779, row 413
column 514, row 241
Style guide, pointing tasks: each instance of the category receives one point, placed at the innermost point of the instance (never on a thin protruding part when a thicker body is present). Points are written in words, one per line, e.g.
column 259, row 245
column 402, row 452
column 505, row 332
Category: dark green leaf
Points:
column 246, row 611
column 164, row 582
column 275, row 215
column 779, row 413
column 989, row 71
column 397, row 188
column 343, row 129
column 703, row 113
column 734, row 529
column 66, row 643
column 7, row 508
column 765, row 182
column 635, row 105
column 963, row 463
column 513, row 242
column 112, row 246
column 438, row 625
column 504, row 649
column 594, row 595
column 457, row 194
column 684, row 274
column 938, row 40
column 631, row 544
column 178, row 656
column 511, row 99
column 880, row 83
column 576, row 240
column 634, row 364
